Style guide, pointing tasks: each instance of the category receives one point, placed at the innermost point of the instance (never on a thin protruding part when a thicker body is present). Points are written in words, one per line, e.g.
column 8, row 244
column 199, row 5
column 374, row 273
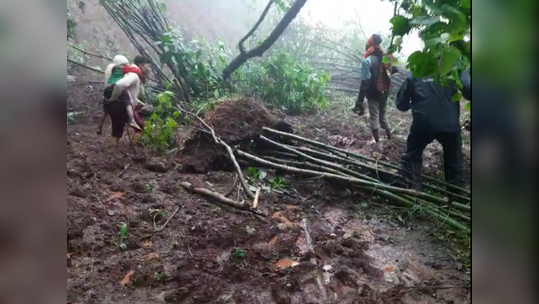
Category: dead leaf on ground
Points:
column 292, row 207
column 151, row 256
column 127, row 278
column 69, row 255
column 114, row 195
column 389, row 269
column 286, row 263
column 146, row 244
column 277, row 215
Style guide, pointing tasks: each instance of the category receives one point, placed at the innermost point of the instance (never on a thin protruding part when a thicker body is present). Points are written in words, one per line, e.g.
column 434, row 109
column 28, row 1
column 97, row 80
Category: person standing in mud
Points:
column 126, row 90
column 377, row 91
column 365, row 78
column 435, row 117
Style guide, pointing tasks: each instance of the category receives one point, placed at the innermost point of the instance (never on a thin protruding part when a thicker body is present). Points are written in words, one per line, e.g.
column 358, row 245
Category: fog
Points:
column 231, row 19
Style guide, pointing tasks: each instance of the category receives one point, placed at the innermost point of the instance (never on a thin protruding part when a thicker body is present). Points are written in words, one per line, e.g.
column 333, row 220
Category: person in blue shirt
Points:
column 365, row 78
column 435, row 117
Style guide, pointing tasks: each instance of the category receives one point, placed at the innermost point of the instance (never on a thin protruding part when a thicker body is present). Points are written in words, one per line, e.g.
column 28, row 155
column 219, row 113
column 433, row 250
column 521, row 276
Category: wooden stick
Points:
column 123, row 170
column 165, row 224
column 255, row 201
column 219, row 197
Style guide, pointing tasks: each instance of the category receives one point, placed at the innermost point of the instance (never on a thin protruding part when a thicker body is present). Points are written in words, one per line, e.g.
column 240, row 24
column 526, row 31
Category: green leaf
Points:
column 400, row 25
column 385, row 59
column 457, row 19
column 406, row 4
column 425, row 20
column 457, row 96
column 468, row 106
column 422, row 64
column 162, row 7
column 282, row 5
column 392, row 49
column 449, row 57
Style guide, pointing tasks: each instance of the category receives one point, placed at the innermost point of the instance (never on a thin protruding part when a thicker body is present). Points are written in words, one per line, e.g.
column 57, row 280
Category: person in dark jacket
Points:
column 435, row 117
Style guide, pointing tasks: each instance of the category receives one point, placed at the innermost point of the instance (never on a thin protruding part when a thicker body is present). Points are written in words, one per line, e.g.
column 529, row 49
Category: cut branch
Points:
column 221, row 198
column 345, row 154
column 389, row 192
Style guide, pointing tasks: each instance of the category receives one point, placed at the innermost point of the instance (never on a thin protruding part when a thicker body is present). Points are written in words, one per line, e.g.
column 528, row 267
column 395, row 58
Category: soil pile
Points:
column 237, row 122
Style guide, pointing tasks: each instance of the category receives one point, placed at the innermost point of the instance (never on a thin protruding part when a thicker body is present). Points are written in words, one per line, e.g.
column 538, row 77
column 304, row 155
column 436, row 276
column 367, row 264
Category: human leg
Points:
column 125, row 99
column 384, row 122
column 118, row 117
column 452, row 147
column 359, row 107
column 412, row 159
column 106, row 108
column 131, row 118
column 374, row 123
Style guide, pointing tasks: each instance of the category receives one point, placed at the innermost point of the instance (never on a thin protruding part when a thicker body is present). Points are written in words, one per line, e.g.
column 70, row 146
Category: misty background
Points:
column 230, row 20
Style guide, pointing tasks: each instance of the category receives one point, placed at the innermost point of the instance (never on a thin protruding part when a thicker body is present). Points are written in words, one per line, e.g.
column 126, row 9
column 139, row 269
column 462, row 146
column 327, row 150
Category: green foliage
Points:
column 70, row 26
column 444, row 27
column 123, row 235
column 238, row 253
column 160, row 130
column 70, row 117
column 285, row 82
column 400, row 25
column 200, row 63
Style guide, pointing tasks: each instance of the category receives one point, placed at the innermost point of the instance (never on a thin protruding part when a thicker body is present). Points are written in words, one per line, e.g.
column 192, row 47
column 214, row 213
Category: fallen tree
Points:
column 296, row 155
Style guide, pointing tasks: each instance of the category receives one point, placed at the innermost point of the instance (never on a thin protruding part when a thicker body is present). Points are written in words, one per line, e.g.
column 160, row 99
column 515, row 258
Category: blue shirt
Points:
column 366, row 69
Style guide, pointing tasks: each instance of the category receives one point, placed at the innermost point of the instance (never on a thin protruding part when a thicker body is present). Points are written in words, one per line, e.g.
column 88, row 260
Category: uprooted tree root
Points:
column 238, row 123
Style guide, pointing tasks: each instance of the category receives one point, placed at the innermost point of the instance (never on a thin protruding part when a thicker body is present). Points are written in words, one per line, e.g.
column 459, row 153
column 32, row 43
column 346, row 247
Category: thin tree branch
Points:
column 84, row 66
column 255, row 27
column 267, row 43
column 88, row 53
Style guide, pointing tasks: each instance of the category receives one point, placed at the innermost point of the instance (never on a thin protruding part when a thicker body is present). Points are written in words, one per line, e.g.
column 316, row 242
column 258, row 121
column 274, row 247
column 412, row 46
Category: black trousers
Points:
column 362, row 94
column 412, row 160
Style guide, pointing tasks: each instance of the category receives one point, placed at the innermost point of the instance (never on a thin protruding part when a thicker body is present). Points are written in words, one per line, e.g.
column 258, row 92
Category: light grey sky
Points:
column 374, row 16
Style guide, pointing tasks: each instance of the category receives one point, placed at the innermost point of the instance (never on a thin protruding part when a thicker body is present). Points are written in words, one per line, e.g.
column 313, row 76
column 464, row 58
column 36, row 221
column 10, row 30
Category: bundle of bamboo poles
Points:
column 445, row 202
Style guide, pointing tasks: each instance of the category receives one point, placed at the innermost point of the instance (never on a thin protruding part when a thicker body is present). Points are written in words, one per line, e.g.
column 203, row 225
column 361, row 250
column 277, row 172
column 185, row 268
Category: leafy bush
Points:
column 284, row 82
column 199, row 62
column 160, row 130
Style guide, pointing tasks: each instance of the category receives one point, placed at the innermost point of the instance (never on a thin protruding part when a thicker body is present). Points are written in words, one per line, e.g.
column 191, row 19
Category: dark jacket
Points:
column 376, row 69
column 432, row 107
column 466, row 79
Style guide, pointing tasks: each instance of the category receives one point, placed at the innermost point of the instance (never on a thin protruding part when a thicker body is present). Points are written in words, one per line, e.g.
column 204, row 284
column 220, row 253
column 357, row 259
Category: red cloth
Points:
column 131, row 69
column 372, row 47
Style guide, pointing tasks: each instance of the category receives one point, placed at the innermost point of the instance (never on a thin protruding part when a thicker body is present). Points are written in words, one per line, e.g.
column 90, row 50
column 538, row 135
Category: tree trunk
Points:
column 267, row 43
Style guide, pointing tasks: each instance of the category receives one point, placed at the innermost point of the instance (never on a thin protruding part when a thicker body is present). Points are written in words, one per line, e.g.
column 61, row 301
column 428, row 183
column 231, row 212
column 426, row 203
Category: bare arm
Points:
column 122, row 84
